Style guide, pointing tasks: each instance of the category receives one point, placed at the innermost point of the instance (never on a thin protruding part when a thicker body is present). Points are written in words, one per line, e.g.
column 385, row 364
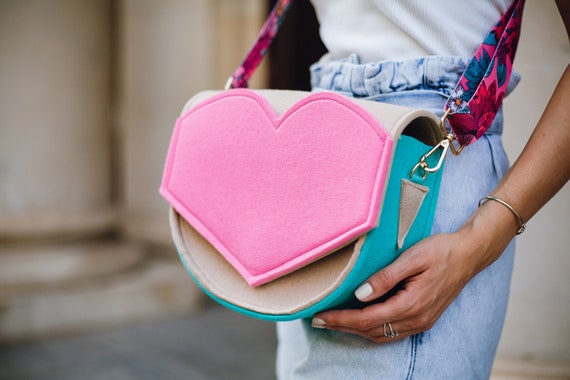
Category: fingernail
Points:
column 363, row 292
column 318, row 323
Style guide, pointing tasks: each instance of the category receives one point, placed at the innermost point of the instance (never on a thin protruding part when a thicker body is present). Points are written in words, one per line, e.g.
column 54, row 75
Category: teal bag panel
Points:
column 380, row 246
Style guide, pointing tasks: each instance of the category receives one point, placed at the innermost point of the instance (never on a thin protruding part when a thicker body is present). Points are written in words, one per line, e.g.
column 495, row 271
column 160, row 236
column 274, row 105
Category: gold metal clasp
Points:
column 445, row 145
column 423, row 164
column 448, row 135
column 442, row 122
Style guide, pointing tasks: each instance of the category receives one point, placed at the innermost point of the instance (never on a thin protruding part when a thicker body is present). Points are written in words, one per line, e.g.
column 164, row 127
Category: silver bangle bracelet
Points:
column 522, row 223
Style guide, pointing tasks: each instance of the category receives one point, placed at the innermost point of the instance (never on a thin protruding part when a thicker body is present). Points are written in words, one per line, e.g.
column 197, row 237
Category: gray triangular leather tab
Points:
column 412, row 196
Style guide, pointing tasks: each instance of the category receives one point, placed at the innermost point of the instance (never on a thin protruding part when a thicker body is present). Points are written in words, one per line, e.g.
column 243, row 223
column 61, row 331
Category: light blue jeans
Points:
column 463, row 342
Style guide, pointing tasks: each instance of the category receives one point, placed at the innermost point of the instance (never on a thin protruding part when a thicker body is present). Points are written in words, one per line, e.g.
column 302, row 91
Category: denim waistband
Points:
column 423, row 82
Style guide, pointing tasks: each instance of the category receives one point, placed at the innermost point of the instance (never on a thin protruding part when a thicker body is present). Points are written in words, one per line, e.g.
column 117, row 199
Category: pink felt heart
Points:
column 273, row 193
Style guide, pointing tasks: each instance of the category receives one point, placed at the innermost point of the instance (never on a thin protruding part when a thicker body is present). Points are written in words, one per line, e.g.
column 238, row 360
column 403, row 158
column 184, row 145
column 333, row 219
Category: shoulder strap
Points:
column 243, row 73
column 478, row 95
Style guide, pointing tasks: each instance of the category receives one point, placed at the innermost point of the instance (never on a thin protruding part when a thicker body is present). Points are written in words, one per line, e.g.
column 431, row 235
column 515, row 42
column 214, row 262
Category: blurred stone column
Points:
column 169, row 51
column 63, row 267
column 57, row 199
column 55, row 152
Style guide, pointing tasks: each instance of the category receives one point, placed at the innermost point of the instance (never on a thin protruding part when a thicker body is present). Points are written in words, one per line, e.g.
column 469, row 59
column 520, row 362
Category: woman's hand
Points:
column 431, row 276
column 428, row 277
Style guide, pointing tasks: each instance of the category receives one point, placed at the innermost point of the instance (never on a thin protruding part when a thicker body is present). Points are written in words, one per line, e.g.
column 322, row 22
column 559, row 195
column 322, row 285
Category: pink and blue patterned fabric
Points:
column 477, row 97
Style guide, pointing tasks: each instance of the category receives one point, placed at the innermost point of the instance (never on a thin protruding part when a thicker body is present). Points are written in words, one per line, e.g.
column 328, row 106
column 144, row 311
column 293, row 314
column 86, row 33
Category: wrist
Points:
column 487, row 233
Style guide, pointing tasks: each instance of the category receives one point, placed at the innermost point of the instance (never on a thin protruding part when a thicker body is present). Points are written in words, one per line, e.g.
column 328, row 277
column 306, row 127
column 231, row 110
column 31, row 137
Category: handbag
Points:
column 284, row 202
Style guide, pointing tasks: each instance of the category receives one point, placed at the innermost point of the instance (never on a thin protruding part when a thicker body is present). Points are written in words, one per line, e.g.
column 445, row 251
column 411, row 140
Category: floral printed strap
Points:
column 241, row 76
column 477, row 97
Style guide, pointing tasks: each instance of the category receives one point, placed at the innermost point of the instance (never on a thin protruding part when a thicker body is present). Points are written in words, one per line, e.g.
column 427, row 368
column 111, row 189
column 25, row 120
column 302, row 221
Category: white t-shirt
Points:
column 380, row 30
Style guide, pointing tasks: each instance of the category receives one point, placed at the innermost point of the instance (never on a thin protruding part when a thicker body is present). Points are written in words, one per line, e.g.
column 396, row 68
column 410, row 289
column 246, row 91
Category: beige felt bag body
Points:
column 243, row 249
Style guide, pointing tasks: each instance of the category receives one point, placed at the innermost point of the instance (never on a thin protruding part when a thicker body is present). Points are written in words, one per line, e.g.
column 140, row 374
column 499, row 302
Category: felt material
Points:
column 412, row 196
column 326, row 283
column 418, row 123
column 240, row 173
column 286, row 295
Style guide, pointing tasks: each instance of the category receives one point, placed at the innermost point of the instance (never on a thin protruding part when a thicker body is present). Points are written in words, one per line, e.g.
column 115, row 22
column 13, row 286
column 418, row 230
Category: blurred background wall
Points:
column 89, row 92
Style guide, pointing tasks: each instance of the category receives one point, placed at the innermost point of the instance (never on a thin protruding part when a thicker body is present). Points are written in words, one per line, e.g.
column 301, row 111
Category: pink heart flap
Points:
column 271, row 192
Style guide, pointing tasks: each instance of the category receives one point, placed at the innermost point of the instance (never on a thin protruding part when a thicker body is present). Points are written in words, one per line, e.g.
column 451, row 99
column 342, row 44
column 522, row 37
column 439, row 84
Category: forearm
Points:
column 543, row 167
column 538, row 174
